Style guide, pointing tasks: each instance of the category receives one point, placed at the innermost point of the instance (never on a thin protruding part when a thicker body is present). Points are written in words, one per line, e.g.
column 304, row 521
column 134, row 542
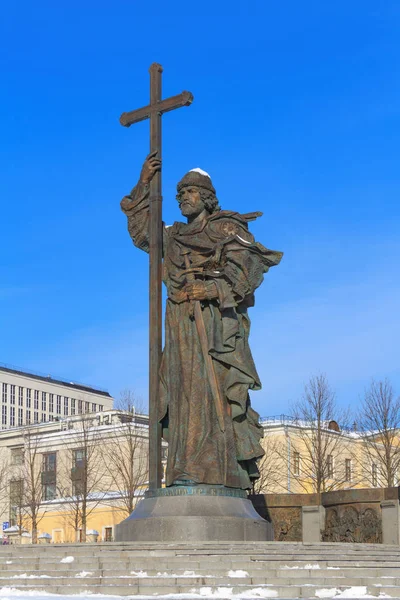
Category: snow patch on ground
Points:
column 259, row 593
column 26, row 576
column 184, row 574
column 357, row 591
column 305, row 567
column 238, row 573
column 84, row 574
column 67, row 559
column 225, row 593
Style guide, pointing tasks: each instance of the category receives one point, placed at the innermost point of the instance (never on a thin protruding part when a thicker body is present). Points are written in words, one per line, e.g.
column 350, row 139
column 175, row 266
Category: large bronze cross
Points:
column 154, row 111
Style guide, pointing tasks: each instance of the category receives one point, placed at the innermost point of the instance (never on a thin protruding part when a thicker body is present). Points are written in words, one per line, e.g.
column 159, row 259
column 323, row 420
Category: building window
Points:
column 4, row 415
column 28, row 397
column 49, row 491
column 108, row 534
column 20, row 396
column 100, row 408
column 44, row 402
column 28, row 417
column 12, row 416
column 4, row 394
column 12, row 394
column 58, row 405
column 49, row 476
column 65, row 406
column 77, row 473
column 17, row 456
column 87, row 407
column 51, row 403
column 72, row 406
column 36, row 399
column 94, row 407
column 79, row 407
column 35, row 417
column 296, row 463
column 330, row 466
column 49, row 461
column 20, row 417
column 374, row 473
column 79, row 458
column 348, row 470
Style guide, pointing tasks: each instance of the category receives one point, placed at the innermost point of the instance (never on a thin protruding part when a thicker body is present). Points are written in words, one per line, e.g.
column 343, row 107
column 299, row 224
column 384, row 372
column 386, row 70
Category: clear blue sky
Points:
column 296, row 113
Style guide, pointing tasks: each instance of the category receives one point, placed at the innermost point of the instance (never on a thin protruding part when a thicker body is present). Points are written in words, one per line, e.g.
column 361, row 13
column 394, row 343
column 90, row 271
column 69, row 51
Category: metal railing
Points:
column 290, row 420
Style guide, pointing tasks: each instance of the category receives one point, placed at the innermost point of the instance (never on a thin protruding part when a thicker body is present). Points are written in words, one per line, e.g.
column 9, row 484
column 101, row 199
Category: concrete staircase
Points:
column 223, row 570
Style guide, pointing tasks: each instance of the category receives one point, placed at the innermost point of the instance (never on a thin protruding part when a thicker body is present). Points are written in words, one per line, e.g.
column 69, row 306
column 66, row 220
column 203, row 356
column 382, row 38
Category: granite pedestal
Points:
column 194, row 513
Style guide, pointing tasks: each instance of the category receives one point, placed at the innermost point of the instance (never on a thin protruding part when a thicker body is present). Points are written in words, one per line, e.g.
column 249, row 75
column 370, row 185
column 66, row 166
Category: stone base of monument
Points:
column 194, row 513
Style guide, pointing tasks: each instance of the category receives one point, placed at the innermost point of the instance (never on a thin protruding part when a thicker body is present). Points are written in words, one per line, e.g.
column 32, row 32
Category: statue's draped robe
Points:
column 221, row 249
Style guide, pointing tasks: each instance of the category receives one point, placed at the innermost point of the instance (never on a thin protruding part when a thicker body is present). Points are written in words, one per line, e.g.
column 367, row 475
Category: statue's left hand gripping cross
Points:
column 154, row 112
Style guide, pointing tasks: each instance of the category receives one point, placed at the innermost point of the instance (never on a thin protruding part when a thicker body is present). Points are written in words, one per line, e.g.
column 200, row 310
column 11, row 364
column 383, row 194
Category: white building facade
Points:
column 27, row 398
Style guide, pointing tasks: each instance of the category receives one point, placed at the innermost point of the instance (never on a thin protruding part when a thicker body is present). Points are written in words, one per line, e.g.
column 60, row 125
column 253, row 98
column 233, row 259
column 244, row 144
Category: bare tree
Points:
column 83, row 481
column 379, row 421
column 17, row 504
column 128, row 401
column 126, row 453
column 4, row 480
column 271, row 466
column 27, row 483
column 318, row 442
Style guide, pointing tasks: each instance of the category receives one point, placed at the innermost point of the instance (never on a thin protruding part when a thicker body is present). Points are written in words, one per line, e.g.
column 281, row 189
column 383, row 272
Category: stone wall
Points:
column 350, row 515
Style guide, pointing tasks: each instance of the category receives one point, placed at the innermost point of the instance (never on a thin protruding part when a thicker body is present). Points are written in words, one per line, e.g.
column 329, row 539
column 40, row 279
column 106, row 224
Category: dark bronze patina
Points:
column 154, row 111
column 212, row 266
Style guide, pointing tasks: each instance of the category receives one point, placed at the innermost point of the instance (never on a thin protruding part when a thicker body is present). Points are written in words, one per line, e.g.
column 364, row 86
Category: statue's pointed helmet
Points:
column 196, row 177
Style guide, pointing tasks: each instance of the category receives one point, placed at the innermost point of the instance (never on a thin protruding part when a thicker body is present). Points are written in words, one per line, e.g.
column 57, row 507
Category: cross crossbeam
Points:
column 135, row 116
column 154, row 112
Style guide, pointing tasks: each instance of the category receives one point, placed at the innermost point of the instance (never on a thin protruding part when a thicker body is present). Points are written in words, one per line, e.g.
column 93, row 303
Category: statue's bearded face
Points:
column 190, row 201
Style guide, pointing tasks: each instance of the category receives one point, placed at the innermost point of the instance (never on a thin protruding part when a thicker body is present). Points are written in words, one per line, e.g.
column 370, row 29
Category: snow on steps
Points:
column 223, row 570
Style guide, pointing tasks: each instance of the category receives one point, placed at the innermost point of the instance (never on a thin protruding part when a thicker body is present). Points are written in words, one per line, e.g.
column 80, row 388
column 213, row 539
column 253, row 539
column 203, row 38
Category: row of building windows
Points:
column 48, row 475
column 49, row 402
column 330, row 468
column 14, row 416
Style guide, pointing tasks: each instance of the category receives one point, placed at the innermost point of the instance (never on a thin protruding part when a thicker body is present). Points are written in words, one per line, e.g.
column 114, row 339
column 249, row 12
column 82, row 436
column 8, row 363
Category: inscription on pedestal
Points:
column 196, row 490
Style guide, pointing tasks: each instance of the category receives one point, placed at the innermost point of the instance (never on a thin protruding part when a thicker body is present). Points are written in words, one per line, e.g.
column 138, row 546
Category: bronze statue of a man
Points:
column 213, row 433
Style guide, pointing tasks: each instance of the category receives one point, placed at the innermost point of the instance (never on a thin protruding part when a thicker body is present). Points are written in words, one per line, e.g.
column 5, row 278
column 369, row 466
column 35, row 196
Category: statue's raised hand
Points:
column 151, row 165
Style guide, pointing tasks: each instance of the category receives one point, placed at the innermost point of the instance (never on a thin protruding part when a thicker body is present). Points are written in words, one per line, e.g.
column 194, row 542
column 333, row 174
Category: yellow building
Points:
column 81, row 474
column 86, row 472
column 306, row 457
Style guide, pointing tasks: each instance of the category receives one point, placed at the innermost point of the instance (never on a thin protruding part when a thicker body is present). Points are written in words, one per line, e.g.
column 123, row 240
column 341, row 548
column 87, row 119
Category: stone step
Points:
column 191, row 565
column 91, row 583
column 142, row 578
column 278, row 591
column 299, row 555
column 279, row 570
column 211, row 571
column 272, row 550
column 91, row 549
